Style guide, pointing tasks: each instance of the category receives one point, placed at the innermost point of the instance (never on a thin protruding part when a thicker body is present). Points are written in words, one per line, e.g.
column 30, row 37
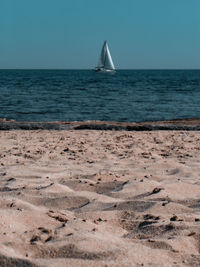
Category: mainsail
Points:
column 105, row 61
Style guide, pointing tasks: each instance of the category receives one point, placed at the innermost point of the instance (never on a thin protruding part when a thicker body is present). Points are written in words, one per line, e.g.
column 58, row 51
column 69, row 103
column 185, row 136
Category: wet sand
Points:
column 99, row 198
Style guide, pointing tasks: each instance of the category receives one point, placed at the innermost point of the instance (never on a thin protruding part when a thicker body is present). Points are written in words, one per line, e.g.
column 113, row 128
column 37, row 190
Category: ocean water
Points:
column 78, row 95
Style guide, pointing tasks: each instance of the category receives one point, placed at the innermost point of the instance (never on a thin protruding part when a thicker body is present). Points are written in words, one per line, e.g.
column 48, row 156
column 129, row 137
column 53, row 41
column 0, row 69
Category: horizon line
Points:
column 92, row 69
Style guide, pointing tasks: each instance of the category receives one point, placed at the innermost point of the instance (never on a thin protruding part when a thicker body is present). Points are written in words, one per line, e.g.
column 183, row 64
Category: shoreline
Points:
column 191, row 124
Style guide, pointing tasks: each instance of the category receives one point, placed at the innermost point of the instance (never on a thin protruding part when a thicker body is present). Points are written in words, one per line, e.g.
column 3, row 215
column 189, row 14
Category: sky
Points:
column 69, row 34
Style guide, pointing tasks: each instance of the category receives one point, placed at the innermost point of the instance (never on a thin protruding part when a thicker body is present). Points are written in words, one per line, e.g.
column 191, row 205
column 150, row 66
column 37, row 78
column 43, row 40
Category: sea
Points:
column 80, row 95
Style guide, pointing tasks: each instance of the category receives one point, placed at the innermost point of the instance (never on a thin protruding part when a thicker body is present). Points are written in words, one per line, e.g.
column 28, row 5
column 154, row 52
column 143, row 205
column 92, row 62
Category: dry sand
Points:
column 99, row 198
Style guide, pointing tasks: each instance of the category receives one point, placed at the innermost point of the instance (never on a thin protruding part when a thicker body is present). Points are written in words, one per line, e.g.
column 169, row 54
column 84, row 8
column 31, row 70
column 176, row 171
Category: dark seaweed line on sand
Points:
column 6, row 126
column 177, row 125
column 138, row 128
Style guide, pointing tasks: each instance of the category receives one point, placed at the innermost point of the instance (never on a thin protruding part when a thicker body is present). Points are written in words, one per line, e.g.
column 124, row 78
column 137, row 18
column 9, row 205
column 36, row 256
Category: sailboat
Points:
column 105, row 63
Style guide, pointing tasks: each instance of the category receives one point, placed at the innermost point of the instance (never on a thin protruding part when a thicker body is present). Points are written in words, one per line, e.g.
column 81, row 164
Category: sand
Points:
column 99, row 198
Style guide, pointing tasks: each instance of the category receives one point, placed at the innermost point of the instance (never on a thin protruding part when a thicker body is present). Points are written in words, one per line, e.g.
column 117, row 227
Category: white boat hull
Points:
column 104, row 70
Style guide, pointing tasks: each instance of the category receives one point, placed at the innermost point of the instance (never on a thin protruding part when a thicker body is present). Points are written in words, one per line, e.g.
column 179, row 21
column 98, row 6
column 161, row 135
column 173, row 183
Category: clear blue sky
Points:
column 141, row 34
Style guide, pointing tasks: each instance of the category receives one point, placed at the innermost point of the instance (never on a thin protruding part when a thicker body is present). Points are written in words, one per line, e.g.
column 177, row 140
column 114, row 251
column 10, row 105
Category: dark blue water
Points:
column 77, row 95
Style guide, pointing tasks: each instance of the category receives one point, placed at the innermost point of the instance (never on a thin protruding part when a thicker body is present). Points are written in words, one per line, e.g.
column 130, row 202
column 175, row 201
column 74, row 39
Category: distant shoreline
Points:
column 192, row 124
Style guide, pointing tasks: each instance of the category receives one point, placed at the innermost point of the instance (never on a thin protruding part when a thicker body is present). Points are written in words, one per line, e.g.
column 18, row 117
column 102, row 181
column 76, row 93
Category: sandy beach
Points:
column 99, row 198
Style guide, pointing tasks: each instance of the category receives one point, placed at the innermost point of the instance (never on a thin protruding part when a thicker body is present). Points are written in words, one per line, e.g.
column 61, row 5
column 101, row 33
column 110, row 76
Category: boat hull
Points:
column 104, row 70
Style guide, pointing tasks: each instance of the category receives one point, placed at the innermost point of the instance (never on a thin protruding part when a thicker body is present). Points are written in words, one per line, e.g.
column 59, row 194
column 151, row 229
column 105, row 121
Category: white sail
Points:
column 108, row 63
column 102, row 56
column 105, row 62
